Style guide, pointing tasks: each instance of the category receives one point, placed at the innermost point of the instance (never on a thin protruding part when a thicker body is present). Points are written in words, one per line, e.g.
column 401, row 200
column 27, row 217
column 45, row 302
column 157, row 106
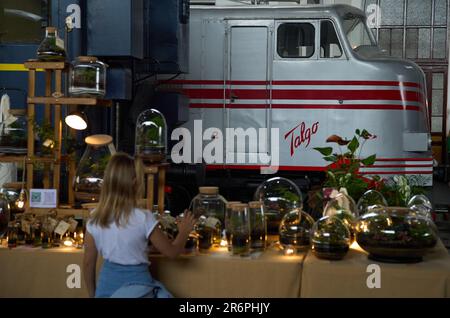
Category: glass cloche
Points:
column 330, row 238
column 87, row 77
column 89, row 175
column 396, row 234
column 280, row 196
column 13, row 134
column 151, row 136
column 369, row 200
column 295, row 230
column 343, row 207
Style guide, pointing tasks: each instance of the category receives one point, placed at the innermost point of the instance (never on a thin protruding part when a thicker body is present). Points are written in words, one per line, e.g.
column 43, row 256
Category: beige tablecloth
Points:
column 348, row 277
column 219, row 274
column 28, row 272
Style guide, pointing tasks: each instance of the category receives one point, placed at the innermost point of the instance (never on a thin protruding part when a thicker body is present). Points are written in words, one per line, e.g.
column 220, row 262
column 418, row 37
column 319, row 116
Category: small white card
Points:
column 62, row 228
column 212, row 222
column 43, row 198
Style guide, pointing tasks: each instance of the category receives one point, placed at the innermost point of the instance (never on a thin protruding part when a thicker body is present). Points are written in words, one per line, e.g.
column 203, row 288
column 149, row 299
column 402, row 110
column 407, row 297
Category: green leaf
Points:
column 330, row 158
column 369, row 160
column 327, row 151
column 358, row 132
column 353, row 145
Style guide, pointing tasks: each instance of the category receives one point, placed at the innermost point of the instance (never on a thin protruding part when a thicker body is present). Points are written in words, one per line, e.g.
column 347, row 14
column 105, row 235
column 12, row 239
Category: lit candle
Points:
column 289, row 251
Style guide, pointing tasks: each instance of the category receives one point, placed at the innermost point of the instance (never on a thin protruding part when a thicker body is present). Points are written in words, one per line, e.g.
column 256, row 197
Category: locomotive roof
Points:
column 280, row 12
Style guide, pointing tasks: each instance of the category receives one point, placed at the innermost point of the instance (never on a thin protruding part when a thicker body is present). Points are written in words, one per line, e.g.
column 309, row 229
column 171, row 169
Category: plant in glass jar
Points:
column 46, row 138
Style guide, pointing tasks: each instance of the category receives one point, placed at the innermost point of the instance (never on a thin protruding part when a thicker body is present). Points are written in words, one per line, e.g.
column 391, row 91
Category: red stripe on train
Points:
column 288, row 82
column 306, row 106
column 306, row 168
column 305, row 94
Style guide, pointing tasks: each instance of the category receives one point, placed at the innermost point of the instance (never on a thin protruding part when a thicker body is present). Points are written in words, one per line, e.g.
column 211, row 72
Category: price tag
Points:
column 62, row 228
column 52, row 224
column 73, row 225
column 26, row 226
column 212, row 222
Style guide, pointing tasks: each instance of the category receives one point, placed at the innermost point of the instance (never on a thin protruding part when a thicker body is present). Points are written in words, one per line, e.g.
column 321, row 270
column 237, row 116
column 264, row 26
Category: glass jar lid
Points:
column 208, row 190
column 98, row 140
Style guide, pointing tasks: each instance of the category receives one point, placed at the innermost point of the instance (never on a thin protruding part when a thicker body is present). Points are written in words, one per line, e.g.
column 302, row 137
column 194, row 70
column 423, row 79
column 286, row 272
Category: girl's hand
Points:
column 186, row 223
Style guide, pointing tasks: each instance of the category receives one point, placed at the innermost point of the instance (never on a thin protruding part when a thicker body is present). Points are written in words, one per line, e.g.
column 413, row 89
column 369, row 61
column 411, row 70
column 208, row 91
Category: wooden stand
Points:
column 53, row 75
column 151, row 170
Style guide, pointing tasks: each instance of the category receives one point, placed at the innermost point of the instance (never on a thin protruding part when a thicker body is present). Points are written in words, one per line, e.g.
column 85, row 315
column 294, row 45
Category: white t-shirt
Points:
column 126, row 244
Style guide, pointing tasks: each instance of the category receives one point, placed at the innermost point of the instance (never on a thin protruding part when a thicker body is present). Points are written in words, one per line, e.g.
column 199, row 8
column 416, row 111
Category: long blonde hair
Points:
column 121, row 189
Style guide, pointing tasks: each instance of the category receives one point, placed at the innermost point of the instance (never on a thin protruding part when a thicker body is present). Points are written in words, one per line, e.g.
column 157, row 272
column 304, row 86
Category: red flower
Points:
column 337, row 139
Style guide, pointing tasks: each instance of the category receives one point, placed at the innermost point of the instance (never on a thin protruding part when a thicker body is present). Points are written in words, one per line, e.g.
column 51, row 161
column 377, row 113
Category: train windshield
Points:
column 357, row 32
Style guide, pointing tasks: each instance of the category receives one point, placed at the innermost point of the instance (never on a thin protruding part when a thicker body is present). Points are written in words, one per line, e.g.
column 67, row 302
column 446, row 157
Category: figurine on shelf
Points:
column 120, row 231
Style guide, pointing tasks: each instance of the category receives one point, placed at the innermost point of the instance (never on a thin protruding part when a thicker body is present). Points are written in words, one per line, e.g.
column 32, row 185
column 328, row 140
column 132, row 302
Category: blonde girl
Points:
column 120, row 232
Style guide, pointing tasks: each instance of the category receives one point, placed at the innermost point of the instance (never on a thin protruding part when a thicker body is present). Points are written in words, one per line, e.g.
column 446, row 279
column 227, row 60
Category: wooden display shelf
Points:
column 84, row 213
column 69, row 101
column 8, row 158
column 35, row 64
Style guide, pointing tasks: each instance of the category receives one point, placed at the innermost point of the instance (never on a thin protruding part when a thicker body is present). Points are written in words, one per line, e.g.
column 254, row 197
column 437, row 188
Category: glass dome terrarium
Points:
column 330, row 238
column 343, row 207
column 280, row 196
column 87, row 77
column 396, row 234
column 151, row 136
column 52, row 47
column 92, row 165
column 13, row 136
column 369, row 200
column 295, row 230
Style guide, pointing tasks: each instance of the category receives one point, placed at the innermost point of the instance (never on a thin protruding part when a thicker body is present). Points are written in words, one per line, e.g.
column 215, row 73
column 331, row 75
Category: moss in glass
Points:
column 205, row 234
column 92, row 165
column 227, row 223
column 51, row 48
column 258, row 225
column 87, row 77
column 343, row 207
column 280, row 196
column 240, row 229
column 210, row 204
column 330, row 238
column 396, row 234
column 295, row 230
column 151, row 136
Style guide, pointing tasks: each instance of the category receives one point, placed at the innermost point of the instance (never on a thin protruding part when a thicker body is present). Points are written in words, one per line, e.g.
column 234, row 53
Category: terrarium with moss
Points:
column 92, row 165
column 330, row 238
column 151, row 136
column 396, row 234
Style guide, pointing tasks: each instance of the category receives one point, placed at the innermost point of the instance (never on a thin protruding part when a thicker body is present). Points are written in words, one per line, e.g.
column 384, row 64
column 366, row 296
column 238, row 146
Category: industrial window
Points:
column 295, row 40
column 22, row 21
column 329, row 42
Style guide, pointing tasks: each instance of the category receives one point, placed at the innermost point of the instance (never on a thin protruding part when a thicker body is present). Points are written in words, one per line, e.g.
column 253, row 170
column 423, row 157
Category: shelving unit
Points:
column 53, row 102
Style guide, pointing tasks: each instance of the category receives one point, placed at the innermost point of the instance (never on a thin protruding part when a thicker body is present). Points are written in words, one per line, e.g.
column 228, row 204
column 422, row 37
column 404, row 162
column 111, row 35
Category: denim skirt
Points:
column 128, row 281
